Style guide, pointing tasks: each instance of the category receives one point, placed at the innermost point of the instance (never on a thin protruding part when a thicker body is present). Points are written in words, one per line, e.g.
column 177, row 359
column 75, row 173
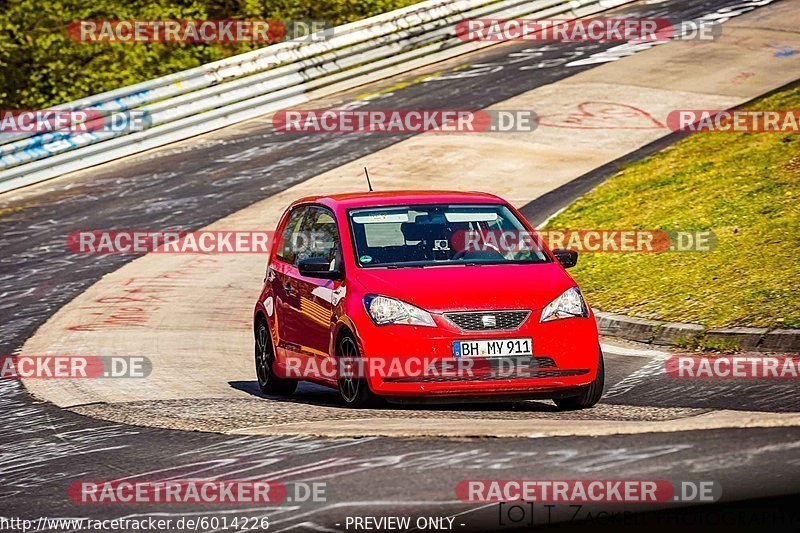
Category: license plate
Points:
column 493, row 348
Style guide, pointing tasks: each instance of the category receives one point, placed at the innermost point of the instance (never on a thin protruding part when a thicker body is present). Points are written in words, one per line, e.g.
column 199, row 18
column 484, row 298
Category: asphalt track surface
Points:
column 43, row 449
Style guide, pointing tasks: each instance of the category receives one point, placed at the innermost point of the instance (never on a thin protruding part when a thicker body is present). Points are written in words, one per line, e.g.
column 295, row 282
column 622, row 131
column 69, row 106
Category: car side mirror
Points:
column 318, row 267
column 567, row 258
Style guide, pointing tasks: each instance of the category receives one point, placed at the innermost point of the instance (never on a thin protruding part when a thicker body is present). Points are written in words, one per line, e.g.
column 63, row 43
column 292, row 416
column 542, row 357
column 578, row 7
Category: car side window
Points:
column 290, row 238
column 322, row 235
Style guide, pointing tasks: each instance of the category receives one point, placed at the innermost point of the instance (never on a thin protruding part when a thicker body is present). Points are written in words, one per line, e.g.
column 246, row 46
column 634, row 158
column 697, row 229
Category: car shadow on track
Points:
column 317, row 395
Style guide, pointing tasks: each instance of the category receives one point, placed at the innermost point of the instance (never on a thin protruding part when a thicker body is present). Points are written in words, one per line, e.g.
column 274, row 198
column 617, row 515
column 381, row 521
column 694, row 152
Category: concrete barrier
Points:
column 286, row 74
column 680, row 334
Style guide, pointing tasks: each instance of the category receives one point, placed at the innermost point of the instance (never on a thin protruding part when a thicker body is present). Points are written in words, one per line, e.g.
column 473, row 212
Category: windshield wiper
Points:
column 400, row 265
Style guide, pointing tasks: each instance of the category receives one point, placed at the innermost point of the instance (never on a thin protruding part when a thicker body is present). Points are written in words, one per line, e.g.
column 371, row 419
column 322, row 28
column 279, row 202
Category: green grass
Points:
column 743, row 187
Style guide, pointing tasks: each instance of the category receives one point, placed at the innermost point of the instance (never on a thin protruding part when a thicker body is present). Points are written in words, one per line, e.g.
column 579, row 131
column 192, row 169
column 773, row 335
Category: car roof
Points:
column 403, row 197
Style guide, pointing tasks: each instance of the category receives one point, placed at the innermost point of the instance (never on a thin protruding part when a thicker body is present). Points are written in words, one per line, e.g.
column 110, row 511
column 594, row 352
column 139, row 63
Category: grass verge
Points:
column 743, row 187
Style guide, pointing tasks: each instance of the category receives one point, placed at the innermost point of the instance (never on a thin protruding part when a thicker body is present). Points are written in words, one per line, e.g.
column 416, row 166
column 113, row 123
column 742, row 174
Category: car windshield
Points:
column 433, row 234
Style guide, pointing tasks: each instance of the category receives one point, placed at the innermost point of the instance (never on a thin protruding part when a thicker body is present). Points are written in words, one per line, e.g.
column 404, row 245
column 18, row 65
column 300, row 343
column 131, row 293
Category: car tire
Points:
column 268, row 382
column 355, row 392
column 590, row 395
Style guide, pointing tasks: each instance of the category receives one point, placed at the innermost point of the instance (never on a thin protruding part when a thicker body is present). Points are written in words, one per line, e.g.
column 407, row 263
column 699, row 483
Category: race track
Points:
column 742, row 435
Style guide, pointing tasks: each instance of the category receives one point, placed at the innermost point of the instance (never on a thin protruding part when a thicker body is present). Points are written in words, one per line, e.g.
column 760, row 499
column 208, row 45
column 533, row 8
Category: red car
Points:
column 412, row 294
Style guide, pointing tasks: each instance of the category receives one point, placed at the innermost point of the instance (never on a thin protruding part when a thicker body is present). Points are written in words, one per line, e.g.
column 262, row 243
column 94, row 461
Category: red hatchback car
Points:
column 410, row 294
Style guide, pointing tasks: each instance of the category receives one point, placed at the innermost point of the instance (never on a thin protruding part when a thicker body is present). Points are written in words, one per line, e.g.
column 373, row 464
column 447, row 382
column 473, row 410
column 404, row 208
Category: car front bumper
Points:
column 565, row 359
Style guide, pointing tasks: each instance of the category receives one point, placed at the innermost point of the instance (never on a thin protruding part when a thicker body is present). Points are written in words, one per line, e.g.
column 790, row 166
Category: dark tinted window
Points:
column 287, row 249
column 320, row 235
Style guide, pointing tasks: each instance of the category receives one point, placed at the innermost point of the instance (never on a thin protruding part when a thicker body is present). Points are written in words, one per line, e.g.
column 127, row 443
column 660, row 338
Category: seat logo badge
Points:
column 489, row 321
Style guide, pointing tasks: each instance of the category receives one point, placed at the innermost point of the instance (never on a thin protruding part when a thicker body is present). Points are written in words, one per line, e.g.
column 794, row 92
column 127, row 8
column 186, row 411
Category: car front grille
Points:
column 488, row 320
column 545, row 362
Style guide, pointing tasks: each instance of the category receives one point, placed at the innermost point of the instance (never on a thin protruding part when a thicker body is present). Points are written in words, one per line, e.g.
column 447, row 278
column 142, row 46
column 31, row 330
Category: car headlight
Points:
column 569, row 305
column 385, row 310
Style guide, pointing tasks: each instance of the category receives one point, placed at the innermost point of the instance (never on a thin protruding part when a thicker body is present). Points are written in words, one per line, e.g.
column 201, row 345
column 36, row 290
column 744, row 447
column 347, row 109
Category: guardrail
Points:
column 282, row 75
